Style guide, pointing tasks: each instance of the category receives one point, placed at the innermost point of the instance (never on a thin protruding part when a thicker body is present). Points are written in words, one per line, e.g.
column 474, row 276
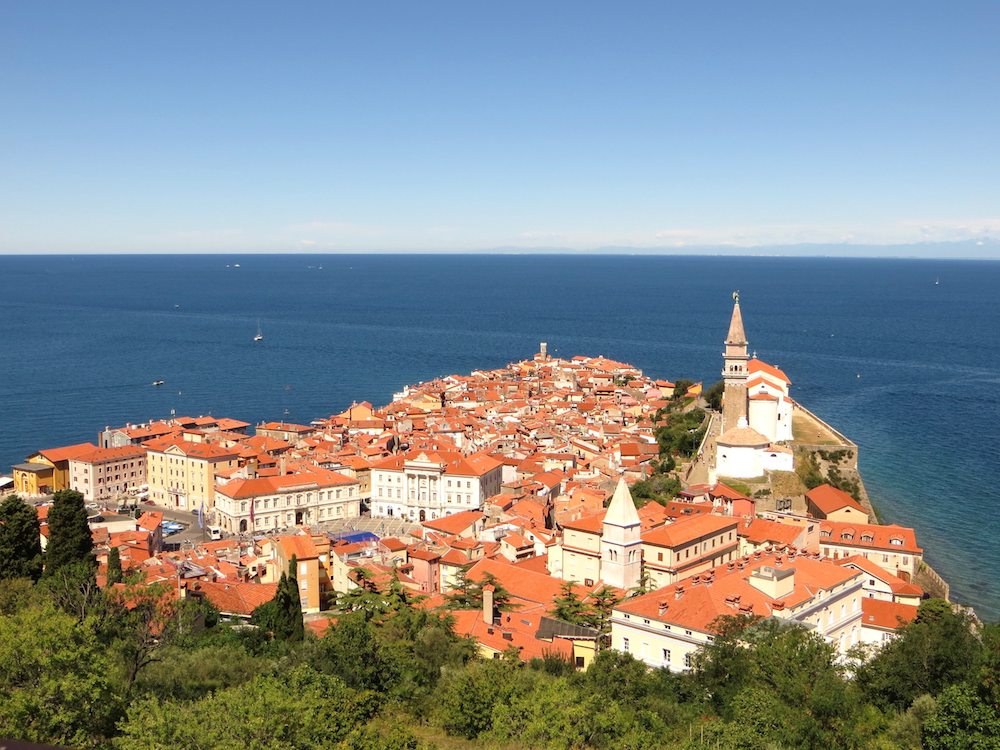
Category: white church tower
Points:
column 734, row 370
column 621, row 543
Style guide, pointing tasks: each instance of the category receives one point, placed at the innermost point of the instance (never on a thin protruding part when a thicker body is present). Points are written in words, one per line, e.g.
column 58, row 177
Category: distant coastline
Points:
column 981, row 249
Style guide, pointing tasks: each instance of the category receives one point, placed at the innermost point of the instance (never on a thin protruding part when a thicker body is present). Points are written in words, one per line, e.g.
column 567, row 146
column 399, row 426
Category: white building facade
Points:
column 108, row 473
column 269, row 503
column 426, row 485
column 666, row 627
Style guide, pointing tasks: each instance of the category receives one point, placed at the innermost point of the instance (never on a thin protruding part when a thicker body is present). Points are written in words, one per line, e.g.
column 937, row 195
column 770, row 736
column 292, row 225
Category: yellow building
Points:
column 47, row 471
column 181, row 473
column 312, row 562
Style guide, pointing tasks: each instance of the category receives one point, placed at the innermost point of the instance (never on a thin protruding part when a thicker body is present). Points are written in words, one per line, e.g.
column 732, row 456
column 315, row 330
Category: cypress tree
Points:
column 20, row 544
column 70, row 541
column 288, row 625
column 296, row 628
column 114, row 566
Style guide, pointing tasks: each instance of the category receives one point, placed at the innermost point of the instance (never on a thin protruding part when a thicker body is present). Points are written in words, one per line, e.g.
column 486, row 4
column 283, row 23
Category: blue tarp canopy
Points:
column 357, row 536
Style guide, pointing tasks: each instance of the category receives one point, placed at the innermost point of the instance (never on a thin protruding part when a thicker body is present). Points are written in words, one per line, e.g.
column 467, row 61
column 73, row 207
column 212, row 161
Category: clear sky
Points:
column 245, row 126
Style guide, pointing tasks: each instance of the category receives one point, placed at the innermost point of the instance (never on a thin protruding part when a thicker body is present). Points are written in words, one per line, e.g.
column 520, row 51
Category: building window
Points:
column 625, row 645
column 687, row 661
column 666, row 656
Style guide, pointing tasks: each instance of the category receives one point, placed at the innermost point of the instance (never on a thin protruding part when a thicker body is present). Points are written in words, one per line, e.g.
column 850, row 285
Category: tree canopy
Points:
column 20, row 541
column 70, row 541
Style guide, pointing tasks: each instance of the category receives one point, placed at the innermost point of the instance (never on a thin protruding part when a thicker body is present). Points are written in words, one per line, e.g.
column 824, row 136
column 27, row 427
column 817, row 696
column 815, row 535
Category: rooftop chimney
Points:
column 488, row 590
column 662, row 608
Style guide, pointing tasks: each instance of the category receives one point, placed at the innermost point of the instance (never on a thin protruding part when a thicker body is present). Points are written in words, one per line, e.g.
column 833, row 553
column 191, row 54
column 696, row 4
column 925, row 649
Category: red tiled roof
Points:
column 696, row 606
column 190, row 448
column 519, row 628
column 285, row 427
column 321, row 478
column 876, row 613
column 833, row 532
column 593, row 524
column 761, row 531
column 236, row 598
column 896, row 584
column 756, row 365
column 67, row 452
column 686, row 530
column 523, row 584
column 829, row 499
column 455, row 523
column 101, row 455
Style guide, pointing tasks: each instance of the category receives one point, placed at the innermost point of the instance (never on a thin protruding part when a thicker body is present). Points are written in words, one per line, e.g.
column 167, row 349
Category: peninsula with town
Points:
column 557, row 553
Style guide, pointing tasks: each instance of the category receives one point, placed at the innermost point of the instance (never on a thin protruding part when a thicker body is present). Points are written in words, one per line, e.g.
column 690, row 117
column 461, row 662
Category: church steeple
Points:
column 736, row 333
column 734, row 369
column 621, row 545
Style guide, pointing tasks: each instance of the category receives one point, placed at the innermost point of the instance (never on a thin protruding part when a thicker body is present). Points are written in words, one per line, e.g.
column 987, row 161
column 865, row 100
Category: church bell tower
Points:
column 734, row 370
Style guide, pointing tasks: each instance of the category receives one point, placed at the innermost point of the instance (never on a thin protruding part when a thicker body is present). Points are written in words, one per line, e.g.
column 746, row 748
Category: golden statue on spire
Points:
column 736, row 296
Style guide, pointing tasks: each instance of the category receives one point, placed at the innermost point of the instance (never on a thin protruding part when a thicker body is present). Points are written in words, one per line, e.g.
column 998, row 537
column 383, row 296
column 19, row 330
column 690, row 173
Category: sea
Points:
column 903, row 356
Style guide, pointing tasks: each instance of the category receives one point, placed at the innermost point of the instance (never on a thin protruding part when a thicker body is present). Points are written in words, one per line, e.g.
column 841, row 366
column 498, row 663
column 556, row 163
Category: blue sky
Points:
column 214, row 127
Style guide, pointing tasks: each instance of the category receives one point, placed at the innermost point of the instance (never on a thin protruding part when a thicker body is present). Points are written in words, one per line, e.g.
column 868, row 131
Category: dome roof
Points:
column 742, row 436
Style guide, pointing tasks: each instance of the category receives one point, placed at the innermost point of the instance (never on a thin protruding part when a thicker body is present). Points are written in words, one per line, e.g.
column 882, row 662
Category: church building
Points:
column 756, row 410
column 606, row 546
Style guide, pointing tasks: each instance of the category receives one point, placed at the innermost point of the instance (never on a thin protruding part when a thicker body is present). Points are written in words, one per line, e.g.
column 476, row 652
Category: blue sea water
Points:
column 907, row 368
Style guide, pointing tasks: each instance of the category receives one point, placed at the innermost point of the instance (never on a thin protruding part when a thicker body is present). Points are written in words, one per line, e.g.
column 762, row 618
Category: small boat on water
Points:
column 937, row 281
column 157, row 382
column 259, row 336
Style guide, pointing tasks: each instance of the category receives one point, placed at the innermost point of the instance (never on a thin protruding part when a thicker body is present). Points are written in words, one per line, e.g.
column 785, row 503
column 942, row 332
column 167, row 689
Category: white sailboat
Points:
column 259, row 336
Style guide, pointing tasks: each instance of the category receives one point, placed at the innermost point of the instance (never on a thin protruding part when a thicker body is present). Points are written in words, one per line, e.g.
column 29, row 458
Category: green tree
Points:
column 939, row 648
column 618, row 676
column 962, row 720
column 74, row 589
column 351, row 652
column 192, row 672
column 713, row 395
column 56, row 680
column 556, row 713
column 681, row 388
column 602, row 603
column 114, row 567
column 464, row 593
column 420, row 646
column 569, row 607
column 300, row 708
column 265, row 616
column 20, row 542
column 288, row 624
column 466, row 698
column 70, row 541
column 660, row 488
